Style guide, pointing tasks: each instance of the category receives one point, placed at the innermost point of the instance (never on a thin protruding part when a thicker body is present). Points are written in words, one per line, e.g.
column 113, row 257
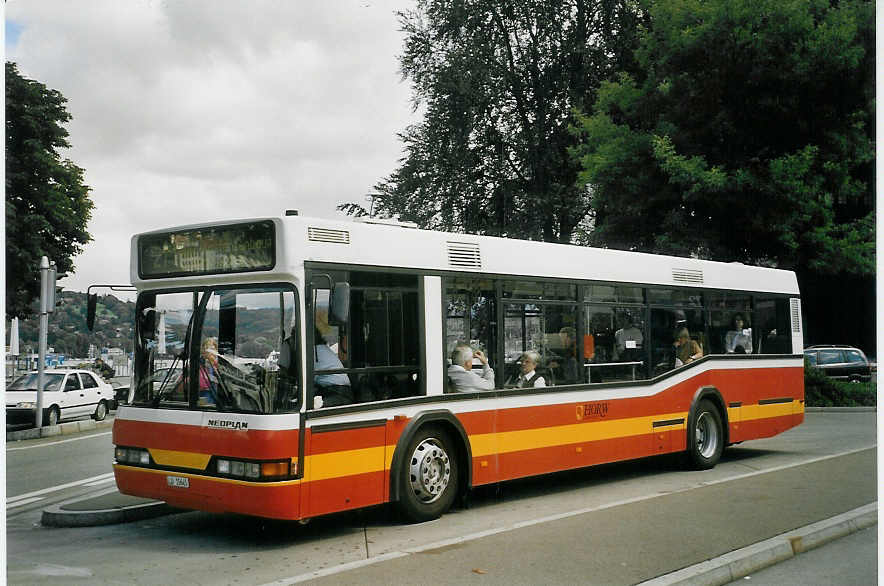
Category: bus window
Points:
column 548, row 330
column 730, row 332
column 244, row 342
column 162, row 322
column 618, row 350
column 666, row 324
column 471, row 316
column 773, row 325
column 376, row 355
column 246, row 350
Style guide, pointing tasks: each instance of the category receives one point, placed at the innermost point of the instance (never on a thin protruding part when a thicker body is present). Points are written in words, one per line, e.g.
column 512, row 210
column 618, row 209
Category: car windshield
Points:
column 28, row 382
column 211, row 350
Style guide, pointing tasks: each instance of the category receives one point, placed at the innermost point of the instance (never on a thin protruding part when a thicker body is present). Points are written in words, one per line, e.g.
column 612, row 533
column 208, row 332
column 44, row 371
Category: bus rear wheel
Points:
column 429, row 477
column 705, row 437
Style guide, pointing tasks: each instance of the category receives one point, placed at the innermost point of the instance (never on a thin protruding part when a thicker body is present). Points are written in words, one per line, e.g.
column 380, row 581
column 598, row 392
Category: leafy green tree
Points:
column 496, row 83
column 745, row 134
column 47, row 204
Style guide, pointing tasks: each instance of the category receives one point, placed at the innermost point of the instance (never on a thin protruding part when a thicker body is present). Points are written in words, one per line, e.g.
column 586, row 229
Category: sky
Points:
column 192, row 111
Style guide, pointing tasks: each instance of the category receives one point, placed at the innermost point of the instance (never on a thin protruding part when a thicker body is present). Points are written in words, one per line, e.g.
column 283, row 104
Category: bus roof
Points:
column 303, row 239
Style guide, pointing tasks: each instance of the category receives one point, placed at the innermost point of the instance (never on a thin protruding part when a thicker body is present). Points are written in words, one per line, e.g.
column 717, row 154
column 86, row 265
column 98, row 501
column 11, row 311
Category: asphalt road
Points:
column 633, row 520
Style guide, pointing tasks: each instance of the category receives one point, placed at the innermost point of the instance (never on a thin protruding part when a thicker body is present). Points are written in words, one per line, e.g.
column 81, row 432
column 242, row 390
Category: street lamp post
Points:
column 47, row 305
column 44, row 325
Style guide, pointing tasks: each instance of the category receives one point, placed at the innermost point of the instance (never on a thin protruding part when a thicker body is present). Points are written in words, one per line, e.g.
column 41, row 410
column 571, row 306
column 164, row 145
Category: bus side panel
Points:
column 771, row 400
column 577, row 434
column 344, row 469
column 597, row 431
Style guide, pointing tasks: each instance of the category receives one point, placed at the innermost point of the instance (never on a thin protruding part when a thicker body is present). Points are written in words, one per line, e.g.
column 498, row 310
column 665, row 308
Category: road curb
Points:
column 839, row 409
column 69, row 428
column 59, row 516
column 742, row 562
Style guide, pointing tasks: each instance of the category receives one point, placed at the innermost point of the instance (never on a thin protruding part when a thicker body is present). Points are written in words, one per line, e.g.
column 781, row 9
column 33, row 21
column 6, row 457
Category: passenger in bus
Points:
column 208, row 382
column 686, row 349
column 567, row 368
column 334, row 389
column 460, row 374
column 739, row 339
column 529, row 378
column 628, row 341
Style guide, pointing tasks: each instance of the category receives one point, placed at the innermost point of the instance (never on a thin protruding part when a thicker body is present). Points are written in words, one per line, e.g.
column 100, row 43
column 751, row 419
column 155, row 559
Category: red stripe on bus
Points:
column 213, row 495
column 348, row 439
column 255, row 443
column 346, row 492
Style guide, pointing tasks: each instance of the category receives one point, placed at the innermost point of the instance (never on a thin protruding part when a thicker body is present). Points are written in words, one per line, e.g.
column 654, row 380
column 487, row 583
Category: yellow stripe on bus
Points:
column 749, row 412
column 180, row 459
column 343, row 463
column 546, row 437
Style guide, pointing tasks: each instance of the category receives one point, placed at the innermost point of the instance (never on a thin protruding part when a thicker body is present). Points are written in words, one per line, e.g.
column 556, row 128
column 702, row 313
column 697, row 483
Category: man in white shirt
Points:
column 463, row 380
column 627, row 341
column 529, row 377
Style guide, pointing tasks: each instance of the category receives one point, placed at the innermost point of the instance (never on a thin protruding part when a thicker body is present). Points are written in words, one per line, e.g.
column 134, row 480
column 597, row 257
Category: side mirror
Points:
column 339, row 304
column 91, row 301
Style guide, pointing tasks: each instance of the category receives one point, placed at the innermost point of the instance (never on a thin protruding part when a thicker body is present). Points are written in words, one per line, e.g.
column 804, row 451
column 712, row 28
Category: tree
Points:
column 497, row 82
column 47, row 204
column 745, row 134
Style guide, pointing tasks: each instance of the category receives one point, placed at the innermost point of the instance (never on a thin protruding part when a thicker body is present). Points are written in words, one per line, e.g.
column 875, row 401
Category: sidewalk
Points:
column 106, row 508
column 69, row 428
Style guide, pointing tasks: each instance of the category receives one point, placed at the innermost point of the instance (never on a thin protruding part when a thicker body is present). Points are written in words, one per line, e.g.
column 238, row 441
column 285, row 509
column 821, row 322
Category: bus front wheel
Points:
column 705, row 437
column 429, row 476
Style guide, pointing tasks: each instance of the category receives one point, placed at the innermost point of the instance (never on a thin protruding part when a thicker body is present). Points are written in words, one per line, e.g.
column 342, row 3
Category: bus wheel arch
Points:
column 430, row 429
column 707, row 429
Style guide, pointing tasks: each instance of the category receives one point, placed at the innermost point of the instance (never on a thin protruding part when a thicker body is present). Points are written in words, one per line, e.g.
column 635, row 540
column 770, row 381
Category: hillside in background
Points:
column 114, row 326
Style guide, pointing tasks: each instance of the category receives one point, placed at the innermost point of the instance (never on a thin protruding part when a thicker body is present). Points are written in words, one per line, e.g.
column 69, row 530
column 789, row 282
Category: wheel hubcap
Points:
column 706, row 435
column 430, row 470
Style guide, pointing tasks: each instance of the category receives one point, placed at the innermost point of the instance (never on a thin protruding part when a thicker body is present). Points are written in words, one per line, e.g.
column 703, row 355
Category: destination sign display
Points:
column 234, row 248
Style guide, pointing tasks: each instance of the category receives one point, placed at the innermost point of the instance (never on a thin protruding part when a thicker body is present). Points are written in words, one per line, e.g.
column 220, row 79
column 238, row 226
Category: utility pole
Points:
column 47, row 306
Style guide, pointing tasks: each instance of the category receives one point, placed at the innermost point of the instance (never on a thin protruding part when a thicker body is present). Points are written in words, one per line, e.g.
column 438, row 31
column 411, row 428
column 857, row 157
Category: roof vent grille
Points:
column 796, row 315
column 328, row 235
column 464, row 255
column 691, row 276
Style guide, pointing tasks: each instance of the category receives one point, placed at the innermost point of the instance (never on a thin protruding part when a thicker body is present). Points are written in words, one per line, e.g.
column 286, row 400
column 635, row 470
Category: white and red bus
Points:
column 292, row 367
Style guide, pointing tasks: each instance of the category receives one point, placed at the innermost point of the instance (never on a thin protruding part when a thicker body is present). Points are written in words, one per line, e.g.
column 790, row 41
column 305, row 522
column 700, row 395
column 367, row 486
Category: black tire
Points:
column 705, row 437
column 429, row 475
column 53, row 416
column 100, row 411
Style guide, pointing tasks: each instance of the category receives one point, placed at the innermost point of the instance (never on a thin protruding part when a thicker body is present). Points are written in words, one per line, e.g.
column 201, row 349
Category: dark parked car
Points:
column 840, row 362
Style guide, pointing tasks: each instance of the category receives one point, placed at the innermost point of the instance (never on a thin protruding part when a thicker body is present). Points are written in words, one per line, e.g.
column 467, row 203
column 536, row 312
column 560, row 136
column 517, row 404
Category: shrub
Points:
column 822, row 391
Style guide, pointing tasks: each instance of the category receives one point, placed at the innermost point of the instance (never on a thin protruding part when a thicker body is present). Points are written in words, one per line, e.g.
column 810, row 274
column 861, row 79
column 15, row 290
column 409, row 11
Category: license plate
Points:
column 177, row 482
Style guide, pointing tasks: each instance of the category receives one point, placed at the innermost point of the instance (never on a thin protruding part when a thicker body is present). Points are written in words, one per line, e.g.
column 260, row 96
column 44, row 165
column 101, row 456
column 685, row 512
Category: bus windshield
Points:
column 223, row 349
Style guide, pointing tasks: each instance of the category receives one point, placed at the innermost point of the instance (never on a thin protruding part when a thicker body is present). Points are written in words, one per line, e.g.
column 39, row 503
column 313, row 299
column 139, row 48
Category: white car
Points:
column 66, row 394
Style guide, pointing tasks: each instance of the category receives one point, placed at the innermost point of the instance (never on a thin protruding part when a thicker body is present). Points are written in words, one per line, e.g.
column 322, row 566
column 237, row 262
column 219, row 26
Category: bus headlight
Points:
column 278, row 469
column 132, row 456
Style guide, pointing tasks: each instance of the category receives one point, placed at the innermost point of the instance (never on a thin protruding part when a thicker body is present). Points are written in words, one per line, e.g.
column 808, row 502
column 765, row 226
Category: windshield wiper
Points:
column 163, row 390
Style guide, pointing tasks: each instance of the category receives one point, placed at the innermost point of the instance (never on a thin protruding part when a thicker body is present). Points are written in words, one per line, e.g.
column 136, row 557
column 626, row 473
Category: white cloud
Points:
column 193, row 111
